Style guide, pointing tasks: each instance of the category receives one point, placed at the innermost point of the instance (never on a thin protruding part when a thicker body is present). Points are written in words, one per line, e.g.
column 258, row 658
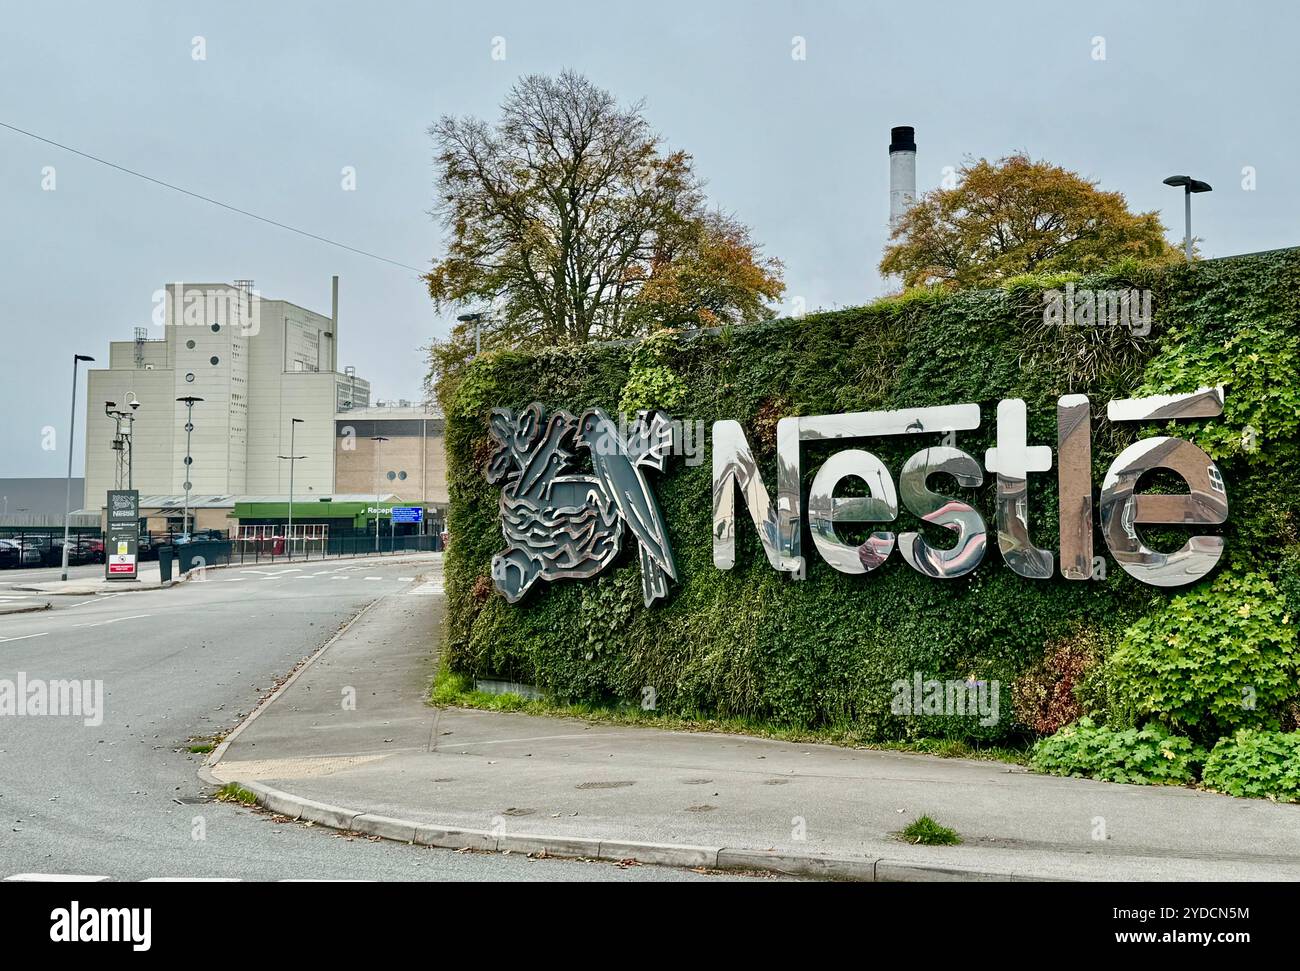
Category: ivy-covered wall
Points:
column 755, row 643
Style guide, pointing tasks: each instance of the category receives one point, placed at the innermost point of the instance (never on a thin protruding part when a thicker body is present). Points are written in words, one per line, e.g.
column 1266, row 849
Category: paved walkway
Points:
column 523, row 782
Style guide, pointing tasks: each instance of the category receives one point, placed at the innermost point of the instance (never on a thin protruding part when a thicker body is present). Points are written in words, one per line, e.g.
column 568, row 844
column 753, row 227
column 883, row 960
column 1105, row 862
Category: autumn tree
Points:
column 1017, row 216
column 572, row 222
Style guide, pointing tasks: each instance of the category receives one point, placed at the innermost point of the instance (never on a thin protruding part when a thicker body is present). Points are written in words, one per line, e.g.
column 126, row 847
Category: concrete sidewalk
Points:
column 394, row 767
column 148, row 579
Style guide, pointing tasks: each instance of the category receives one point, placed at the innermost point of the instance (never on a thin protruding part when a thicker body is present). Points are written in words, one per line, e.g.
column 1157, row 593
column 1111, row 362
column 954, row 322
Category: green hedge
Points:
column 753, row 643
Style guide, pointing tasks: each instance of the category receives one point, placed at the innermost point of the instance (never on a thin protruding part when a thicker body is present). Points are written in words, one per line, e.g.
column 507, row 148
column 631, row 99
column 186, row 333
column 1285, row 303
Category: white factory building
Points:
column 257, row 363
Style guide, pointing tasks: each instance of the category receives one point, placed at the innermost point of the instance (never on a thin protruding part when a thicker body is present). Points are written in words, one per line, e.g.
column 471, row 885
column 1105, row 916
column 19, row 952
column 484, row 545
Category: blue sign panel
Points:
column 408, row 514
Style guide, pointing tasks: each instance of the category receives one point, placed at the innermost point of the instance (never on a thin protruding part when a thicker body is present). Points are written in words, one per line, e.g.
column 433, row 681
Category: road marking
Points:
column 54, row 878
column 6, row 640
column 102, row 597
column 233, row 579
column 374, row 578
column 405, row 579
column 115, row 620
column 430, row 589
column 190, row 880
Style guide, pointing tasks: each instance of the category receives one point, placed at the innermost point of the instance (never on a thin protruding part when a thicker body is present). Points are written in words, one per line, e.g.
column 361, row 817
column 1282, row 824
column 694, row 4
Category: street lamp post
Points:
column 189, row 401
column 477, row 320
column 378, row 440
column 72, row 434
column 1189, row 185
column 291, row 457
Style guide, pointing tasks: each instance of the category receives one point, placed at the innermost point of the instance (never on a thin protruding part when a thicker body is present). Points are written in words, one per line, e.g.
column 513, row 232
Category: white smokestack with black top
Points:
column 902, row 172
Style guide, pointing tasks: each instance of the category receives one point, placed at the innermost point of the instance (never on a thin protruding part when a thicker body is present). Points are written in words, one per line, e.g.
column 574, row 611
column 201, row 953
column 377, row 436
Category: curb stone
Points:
column 4, row 612
column 865, row 870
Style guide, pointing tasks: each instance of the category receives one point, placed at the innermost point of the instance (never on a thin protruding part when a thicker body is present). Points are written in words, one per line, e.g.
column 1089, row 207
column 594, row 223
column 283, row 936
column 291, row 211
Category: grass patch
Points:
column 202, row 748
column 454, row 690
column 926, row 832
column 234, row 792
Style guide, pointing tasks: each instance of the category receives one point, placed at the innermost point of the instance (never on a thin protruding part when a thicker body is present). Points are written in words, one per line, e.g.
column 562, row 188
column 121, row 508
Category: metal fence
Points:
column 39, row 546
column 42, row 546
column 200, row 553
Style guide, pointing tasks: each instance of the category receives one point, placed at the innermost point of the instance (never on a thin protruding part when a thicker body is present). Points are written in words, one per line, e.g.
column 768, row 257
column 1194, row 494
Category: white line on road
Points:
column 374, row 578
column 6, row 640
column 54, row 878
column 432, row 588
column 115, row 620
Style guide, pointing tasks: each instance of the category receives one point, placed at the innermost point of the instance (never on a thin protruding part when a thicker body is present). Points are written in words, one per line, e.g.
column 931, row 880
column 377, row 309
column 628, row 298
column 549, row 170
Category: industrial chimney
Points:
column 902, row 172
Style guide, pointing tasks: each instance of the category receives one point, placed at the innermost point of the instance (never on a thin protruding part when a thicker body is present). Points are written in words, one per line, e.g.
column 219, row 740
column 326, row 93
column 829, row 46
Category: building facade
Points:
column 256, row 363
column 411, row 464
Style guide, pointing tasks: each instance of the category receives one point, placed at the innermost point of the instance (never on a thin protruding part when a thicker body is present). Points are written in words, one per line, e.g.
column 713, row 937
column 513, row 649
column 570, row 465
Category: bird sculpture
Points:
column 560, row 525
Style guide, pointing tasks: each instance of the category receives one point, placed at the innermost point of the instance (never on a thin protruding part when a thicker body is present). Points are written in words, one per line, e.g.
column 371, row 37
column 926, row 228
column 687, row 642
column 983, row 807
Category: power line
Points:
column 208, row 199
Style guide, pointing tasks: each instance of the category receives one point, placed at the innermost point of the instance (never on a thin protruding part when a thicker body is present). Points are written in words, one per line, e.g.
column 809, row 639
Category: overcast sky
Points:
column 290, row 93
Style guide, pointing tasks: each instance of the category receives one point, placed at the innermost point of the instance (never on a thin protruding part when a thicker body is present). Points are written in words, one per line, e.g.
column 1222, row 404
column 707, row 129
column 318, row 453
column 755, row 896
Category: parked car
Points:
column 79, row 552
column 30, row 551
column 94, row 549
column 10, row 554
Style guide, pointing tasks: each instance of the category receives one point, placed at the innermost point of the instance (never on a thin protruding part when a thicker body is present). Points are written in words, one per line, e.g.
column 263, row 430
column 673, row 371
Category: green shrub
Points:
column 1255, row 763
column 1214, row 659
column 1143, row 756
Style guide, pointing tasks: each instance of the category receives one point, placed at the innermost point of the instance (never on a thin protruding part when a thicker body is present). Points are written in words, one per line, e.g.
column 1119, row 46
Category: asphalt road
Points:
column 10, row 579
column 121, row 799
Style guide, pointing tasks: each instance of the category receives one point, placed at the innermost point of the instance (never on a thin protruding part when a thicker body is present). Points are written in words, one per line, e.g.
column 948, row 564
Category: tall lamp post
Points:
column 477, row 320
column 189, row 401
column 378, row 440
column 72, row 434
column 1189, row 185
column 291, row 458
